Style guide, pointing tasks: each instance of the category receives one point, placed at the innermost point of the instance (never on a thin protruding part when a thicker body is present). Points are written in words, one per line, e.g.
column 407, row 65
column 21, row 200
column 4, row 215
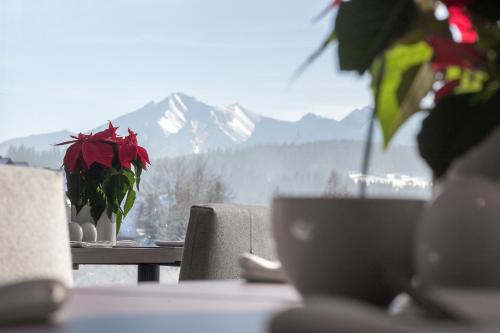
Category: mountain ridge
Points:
column 181, row 124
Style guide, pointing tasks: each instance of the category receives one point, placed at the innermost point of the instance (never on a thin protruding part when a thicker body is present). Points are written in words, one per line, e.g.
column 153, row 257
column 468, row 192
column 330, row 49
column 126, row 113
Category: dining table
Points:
column 147, row 259
column 231, row 306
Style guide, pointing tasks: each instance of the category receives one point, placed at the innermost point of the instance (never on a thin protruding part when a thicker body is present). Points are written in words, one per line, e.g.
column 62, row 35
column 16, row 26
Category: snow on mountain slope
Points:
column 181, row 124
column 174, row 118
column 236, row 122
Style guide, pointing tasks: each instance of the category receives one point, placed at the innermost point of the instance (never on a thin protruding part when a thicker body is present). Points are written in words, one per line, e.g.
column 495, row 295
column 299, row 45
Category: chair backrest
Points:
column 34, row 240
column 218, row 234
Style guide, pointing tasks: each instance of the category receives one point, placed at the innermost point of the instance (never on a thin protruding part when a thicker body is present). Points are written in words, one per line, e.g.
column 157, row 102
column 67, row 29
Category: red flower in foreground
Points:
column 446, row 90
column 129, row 150
column 100, row 148
column 461, row 24
column 87, row 150
column 108, row 134
column 448, row 53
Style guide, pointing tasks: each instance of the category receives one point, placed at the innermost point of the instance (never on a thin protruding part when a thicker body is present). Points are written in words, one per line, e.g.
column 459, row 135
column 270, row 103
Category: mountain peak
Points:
column 174, row 118
column 358, row 117
column 310, row 116
column 235, row 106
column 181, row 124
column 180, row 96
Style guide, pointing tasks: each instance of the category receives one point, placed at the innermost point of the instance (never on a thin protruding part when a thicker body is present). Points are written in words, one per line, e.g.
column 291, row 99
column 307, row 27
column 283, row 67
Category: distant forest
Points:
column 51, row 159
column 255, row 174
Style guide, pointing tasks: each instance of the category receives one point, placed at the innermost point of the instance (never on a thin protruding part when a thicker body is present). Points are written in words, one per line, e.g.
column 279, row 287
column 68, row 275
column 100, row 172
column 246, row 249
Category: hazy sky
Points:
column 77, row 63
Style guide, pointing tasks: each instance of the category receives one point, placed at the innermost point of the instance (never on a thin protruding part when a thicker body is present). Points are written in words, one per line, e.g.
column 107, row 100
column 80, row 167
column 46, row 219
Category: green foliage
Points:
column 364, row 28
column 138, row 172
column 401, row 78
column 109, row 191
column 411, row 52
column 456, row 125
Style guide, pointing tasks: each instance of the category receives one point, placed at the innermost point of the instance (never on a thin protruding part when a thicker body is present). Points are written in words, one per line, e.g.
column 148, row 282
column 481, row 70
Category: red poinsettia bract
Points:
column 449, row 53
column 87, row 150
column 462, row 25
column 129, row 150
column 101, row 147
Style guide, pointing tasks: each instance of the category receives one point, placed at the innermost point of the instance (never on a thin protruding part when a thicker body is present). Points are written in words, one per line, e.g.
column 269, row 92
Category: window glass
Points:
column 208, row 87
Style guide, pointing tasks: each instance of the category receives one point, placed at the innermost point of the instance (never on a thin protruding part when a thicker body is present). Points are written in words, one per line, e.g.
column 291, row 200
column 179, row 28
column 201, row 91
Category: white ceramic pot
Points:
column 106, row 228
column 82, row 216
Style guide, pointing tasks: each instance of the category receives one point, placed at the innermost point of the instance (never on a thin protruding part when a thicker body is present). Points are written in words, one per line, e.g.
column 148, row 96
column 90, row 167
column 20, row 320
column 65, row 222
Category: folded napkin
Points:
column 257, row 269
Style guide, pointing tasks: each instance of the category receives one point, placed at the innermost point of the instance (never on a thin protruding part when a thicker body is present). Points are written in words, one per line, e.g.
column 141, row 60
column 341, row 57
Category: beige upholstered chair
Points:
column 218, row 234
column 34, row 241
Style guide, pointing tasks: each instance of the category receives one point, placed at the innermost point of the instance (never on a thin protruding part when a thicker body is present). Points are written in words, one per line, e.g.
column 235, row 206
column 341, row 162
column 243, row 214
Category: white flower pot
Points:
column 106, row 227
column 82, row 216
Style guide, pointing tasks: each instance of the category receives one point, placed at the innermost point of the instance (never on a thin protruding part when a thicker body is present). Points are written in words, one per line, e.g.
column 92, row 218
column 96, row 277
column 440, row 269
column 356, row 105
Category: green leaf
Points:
column 367, row 27
column 129, row 202
column 456, row 125
column 76, row 190
column 138, row 172
column 401, row 78
column 119, row 218
column 97, row 204
column 122, row 188
column 115, row 188
column 470, row 81
column 315, row 55
column 130, row 176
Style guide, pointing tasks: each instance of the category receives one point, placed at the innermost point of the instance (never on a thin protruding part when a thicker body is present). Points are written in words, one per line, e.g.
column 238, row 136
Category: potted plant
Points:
column 102, row 170
column 445, row 52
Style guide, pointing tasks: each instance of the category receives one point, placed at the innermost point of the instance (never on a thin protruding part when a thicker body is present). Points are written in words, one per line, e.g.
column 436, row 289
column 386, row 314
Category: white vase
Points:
column 106, row 228
column 82, row 216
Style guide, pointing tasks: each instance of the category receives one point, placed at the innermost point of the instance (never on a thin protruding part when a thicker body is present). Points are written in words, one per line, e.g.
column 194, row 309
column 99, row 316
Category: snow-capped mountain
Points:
column 181, row 124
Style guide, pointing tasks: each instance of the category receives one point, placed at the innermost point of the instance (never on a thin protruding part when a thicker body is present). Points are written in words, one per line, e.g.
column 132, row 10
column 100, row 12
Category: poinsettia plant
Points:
column 102, row 170
column 447, row 52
